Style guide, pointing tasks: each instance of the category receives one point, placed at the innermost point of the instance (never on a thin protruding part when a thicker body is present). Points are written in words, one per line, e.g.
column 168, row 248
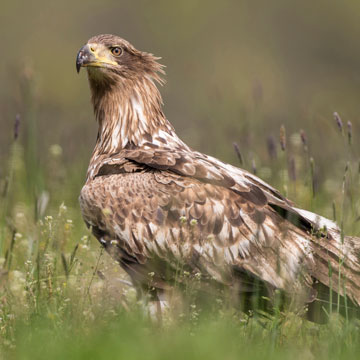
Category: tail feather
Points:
column 336, row 258
column 335, row 267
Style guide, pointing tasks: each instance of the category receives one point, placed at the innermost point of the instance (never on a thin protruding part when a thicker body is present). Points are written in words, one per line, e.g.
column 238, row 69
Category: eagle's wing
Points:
column 200, row 166
column 158, row 214
column 211, row 170
column 181, row 206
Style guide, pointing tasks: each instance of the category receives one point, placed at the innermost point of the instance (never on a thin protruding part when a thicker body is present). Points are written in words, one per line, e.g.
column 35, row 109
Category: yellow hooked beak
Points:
column 95, row 55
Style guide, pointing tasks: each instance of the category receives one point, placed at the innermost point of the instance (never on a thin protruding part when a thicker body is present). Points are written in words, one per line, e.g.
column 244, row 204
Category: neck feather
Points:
column 129, row 113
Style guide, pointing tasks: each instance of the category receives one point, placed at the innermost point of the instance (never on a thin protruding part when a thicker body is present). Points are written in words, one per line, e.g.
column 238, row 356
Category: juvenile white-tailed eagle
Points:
column 156, row 205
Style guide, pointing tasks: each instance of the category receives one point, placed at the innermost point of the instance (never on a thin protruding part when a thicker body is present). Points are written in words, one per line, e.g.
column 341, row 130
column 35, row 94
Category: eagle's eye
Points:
column 117, row 51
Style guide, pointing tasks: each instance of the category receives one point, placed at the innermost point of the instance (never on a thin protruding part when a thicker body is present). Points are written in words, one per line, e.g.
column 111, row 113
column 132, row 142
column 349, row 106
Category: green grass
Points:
column 226, row 336
column 62, row 297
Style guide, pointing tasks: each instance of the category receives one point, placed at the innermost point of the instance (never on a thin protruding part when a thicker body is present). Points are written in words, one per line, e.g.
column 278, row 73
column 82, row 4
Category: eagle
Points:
column 157, row 206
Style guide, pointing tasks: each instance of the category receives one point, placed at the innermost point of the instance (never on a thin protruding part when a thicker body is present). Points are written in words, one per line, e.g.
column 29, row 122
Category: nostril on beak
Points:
column 92, row 49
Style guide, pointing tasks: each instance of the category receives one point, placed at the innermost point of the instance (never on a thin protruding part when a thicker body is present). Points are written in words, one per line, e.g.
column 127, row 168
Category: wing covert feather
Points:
column 161, row 215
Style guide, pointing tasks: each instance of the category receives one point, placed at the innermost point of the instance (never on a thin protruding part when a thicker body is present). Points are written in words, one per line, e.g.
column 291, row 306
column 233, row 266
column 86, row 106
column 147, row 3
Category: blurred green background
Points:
column 236, row 70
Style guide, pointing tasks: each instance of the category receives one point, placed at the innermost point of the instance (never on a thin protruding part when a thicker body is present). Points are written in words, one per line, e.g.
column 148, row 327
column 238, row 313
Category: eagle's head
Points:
column 109, row 58
column 127, row 104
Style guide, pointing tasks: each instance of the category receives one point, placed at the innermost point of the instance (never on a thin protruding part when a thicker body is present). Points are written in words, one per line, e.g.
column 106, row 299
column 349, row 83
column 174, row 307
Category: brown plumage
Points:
column 155, row 204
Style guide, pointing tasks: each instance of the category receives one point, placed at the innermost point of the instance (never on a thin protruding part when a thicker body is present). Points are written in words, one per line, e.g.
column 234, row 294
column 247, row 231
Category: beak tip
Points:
column 81, row 58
